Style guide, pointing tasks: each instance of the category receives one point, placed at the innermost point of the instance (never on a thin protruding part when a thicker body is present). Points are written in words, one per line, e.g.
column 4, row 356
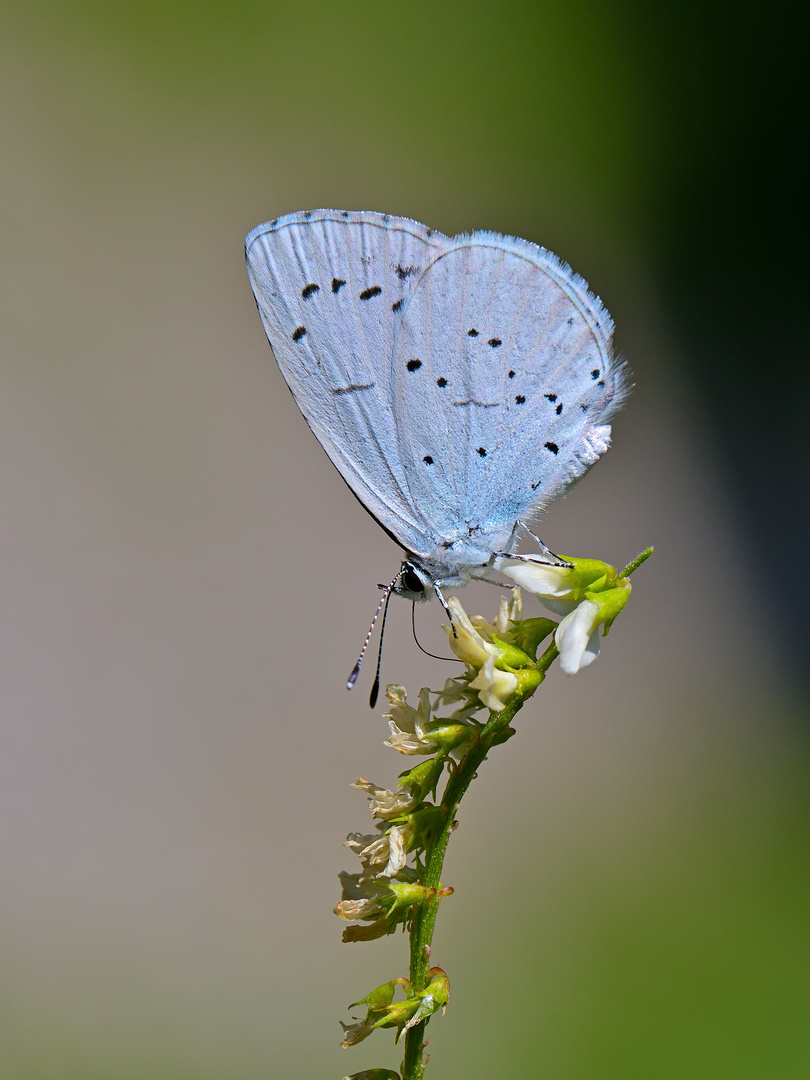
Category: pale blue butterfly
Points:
column 458, row 384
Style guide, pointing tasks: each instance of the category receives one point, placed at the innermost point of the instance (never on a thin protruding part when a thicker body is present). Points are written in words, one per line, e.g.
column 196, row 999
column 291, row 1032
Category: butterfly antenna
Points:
column 375, row 689
column 419, row 645
column 356, row 669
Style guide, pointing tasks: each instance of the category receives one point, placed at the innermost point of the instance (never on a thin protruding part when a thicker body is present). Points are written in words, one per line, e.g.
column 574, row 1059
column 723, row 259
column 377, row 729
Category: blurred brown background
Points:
column 186, row 581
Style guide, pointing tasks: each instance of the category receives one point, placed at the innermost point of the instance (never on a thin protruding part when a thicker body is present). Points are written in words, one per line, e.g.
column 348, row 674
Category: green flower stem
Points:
column 424, row 920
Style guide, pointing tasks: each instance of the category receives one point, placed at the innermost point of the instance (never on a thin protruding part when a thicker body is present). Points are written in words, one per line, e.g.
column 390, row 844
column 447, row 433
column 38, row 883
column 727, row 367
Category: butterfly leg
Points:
column 513, row 539
column 445, row 605
column 547, row 555
column 491, row 581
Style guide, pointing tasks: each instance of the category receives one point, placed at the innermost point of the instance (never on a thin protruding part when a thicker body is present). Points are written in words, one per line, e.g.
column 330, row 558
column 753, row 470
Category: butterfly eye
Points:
column 410, row 582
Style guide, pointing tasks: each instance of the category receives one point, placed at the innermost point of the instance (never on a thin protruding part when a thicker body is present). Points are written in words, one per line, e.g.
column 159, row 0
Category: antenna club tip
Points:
column 352, row 679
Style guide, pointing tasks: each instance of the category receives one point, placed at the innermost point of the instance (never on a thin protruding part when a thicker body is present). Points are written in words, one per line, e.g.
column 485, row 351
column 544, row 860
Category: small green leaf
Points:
column 379, row 998
column 374, row 1074
column 530, row 632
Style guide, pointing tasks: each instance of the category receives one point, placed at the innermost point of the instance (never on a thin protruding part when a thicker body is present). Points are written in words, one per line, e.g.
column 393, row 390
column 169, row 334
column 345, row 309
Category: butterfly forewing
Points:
column 331, row 287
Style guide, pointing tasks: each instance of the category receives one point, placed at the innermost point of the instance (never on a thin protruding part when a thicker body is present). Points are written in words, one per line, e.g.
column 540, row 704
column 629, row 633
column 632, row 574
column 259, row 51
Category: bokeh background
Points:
column 185, row 581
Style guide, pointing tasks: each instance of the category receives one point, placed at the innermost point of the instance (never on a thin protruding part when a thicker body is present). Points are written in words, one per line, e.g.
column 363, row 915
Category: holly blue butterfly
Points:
column 458, row 384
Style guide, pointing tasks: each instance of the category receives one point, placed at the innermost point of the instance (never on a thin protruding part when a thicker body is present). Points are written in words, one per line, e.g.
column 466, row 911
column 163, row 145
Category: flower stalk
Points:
column 424, row 920
column 399, row 883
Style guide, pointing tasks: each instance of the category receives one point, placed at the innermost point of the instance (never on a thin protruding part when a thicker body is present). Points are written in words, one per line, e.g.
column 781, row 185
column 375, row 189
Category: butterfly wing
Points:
column 330, row 286
column 504, row 372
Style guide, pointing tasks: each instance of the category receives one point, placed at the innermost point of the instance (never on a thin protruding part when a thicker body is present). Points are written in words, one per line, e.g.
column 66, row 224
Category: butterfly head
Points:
column 413, row 583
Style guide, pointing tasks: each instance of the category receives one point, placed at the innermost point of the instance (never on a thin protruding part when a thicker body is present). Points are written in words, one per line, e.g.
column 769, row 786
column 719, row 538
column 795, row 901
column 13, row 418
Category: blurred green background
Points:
column 185, row 582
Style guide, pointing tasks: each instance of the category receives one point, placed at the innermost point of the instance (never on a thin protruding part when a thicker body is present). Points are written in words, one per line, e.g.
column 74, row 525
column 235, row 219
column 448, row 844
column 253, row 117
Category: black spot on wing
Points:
column 404, row 272
column 397, row 304
column 552, row 446
column 413, row 365
column 428, row 460
column 551, row 397
column 367, row 294
column 308, row 290
column 494, row 342
column 520, row 399
column 337, row 284
column 559, row 408
column 595, row 373
column 511, row 375
column 298, row 333
column 353, row 387
column 472, row 333
column 482, row 451
column 441, row 381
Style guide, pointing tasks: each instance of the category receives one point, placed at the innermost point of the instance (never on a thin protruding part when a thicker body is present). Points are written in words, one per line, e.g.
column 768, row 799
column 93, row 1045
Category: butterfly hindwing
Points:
column 504, row 378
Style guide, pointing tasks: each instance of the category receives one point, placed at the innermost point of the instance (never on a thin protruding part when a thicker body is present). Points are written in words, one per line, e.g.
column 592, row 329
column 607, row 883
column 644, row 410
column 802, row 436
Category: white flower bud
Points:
column 465, row 641
column 383, row 855
column 355, row 1033
column 408, row 725
column 554, row 583
column 387, row 804
column 396, row 851
column 577, row 637
column 351, row 910
column 372, row 849
column 493, row 685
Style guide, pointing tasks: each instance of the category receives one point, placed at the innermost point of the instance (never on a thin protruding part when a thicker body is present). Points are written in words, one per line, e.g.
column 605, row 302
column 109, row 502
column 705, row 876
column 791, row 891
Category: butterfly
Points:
column 458, row 384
